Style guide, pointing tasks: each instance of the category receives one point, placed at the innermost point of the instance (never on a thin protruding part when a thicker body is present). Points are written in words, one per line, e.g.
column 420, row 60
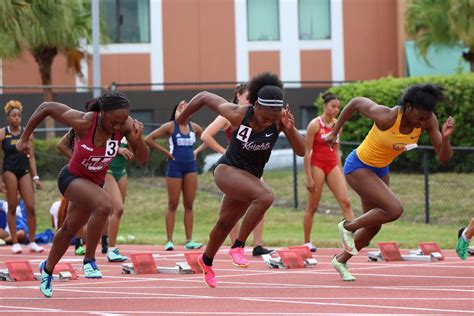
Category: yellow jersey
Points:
column 380, row 148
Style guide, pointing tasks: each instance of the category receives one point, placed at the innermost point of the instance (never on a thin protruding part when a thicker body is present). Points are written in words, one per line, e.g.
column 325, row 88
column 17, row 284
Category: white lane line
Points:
column 269, row 285
column 385, row 307
column 292, row 301
column 32, row 309
column 312, row 298
column 167, row 313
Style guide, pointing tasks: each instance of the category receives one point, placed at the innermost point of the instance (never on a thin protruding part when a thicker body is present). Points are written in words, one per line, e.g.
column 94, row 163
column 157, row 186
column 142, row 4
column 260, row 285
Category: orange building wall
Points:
column 198, row 40
column 25, row 71
column 370, row 39
column 264, row 61
column 124, row 68
column 315, row 65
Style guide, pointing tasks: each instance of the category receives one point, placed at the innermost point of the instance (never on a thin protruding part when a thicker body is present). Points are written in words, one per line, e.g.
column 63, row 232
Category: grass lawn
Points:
column 146, row 205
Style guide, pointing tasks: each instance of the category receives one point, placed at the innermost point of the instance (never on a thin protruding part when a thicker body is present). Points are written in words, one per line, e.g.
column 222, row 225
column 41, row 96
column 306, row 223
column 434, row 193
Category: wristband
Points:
column 36, row 178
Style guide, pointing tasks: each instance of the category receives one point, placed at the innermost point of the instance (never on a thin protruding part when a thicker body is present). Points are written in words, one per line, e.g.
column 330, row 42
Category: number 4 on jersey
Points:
column 244, row 133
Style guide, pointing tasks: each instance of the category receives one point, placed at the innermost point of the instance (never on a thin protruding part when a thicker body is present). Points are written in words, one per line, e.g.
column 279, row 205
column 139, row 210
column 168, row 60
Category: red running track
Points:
column 444, row 287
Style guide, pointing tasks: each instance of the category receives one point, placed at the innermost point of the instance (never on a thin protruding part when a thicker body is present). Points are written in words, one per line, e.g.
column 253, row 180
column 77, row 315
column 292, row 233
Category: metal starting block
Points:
column 296, row 257
column 22, row 271
column 389, row 251
column 179, row 268
column 144, row 263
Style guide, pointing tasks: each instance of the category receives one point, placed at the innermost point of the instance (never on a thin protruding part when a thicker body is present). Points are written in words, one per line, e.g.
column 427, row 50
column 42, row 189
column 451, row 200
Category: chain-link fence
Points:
column 430, row 194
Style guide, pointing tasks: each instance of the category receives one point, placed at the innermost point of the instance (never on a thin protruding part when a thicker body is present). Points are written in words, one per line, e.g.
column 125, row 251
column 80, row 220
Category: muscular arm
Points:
column 381, row 115
column 60, row 113
column 440, row 141
column 287, row 126
column 164, row 130
column 198, row 130
column 230, row 111
column 296, row 141
column 31, row 158
column 134, row 135
column 211, row 130
column 311, row 131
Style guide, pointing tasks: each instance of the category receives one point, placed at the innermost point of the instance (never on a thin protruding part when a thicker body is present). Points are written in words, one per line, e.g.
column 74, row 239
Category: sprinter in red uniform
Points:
column 97, row 140
column 323, row 164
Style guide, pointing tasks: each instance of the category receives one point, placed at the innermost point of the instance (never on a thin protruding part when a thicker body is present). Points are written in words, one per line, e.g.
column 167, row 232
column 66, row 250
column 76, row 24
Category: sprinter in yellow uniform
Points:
column 395, row 130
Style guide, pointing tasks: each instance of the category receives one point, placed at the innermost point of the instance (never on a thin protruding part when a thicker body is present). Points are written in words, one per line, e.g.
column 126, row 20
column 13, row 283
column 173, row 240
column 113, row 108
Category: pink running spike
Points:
column 238, row 257
column 209, row 275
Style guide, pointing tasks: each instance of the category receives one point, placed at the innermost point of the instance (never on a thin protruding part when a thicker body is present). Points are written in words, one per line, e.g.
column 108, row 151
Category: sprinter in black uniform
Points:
column 19, row 173
column 255, row 131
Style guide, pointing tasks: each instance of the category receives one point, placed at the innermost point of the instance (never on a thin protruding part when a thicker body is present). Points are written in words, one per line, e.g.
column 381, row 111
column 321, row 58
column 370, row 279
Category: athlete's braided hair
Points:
column 423, row 96
column 113, row 100
column 12, row 105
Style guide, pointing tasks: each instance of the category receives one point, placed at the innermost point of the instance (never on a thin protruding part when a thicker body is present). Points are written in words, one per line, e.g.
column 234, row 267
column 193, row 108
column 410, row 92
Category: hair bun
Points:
column 328, row 97
column 13, row 104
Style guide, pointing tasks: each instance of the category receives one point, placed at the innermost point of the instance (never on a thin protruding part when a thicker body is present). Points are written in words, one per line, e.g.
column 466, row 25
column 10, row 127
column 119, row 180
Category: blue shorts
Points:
column 178, row 169
column 353, row 163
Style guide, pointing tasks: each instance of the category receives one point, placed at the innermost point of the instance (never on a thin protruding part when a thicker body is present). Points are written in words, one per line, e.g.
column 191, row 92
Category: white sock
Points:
column 111, row 249
column 464, row 236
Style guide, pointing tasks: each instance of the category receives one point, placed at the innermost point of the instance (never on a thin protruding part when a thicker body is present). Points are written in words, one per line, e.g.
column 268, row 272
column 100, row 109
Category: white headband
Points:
column 271, row 102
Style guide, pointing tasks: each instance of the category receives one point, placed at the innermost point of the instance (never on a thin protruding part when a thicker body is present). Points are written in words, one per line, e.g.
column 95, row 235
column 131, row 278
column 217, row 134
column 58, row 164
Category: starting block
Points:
column 65, row 271
column 470, row 250
column 17, row 271
column 305, row 253
column 191, row 265
column 144, row 263
column 295, row 257
column 428, row 248
column 389, row 251
column 22, row 271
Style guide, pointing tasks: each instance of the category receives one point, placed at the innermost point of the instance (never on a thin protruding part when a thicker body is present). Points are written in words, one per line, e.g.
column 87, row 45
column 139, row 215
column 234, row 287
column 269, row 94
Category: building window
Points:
column 263, row 22
column 126, row 21
column 314, row 19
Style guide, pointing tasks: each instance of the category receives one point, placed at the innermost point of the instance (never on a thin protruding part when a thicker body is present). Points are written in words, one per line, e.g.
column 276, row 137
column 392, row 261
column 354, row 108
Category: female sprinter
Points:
column 238, row 172
column 97, row 141
column 395, row 130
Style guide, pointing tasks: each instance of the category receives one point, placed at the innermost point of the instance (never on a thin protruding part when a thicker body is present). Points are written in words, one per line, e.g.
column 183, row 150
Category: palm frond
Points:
column 426, row 22
column 461, row 20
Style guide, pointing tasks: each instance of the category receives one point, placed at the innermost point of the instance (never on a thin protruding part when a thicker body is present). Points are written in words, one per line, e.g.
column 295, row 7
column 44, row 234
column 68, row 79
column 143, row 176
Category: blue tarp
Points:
column 443, row 60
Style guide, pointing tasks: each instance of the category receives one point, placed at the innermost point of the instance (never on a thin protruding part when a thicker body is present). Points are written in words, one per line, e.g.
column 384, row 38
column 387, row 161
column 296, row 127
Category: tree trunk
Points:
column 469, row 57
column 44, row 58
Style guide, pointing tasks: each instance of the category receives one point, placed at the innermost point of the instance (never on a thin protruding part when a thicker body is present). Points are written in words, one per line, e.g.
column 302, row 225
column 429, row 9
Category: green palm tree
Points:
column 46, row 28
column 441, row 22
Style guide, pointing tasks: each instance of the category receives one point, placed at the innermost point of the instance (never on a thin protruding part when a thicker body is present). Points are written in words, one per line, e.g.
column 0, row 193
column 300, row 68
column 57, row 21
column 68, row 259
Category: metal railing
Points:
column 322, row 83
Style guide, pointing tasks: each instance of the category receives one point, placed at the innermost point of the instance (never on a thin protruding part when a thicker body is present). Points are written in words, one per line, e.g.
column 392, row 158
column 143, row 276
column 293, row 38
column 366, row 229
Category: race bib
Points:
column 244, row 133
column 111, row 148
